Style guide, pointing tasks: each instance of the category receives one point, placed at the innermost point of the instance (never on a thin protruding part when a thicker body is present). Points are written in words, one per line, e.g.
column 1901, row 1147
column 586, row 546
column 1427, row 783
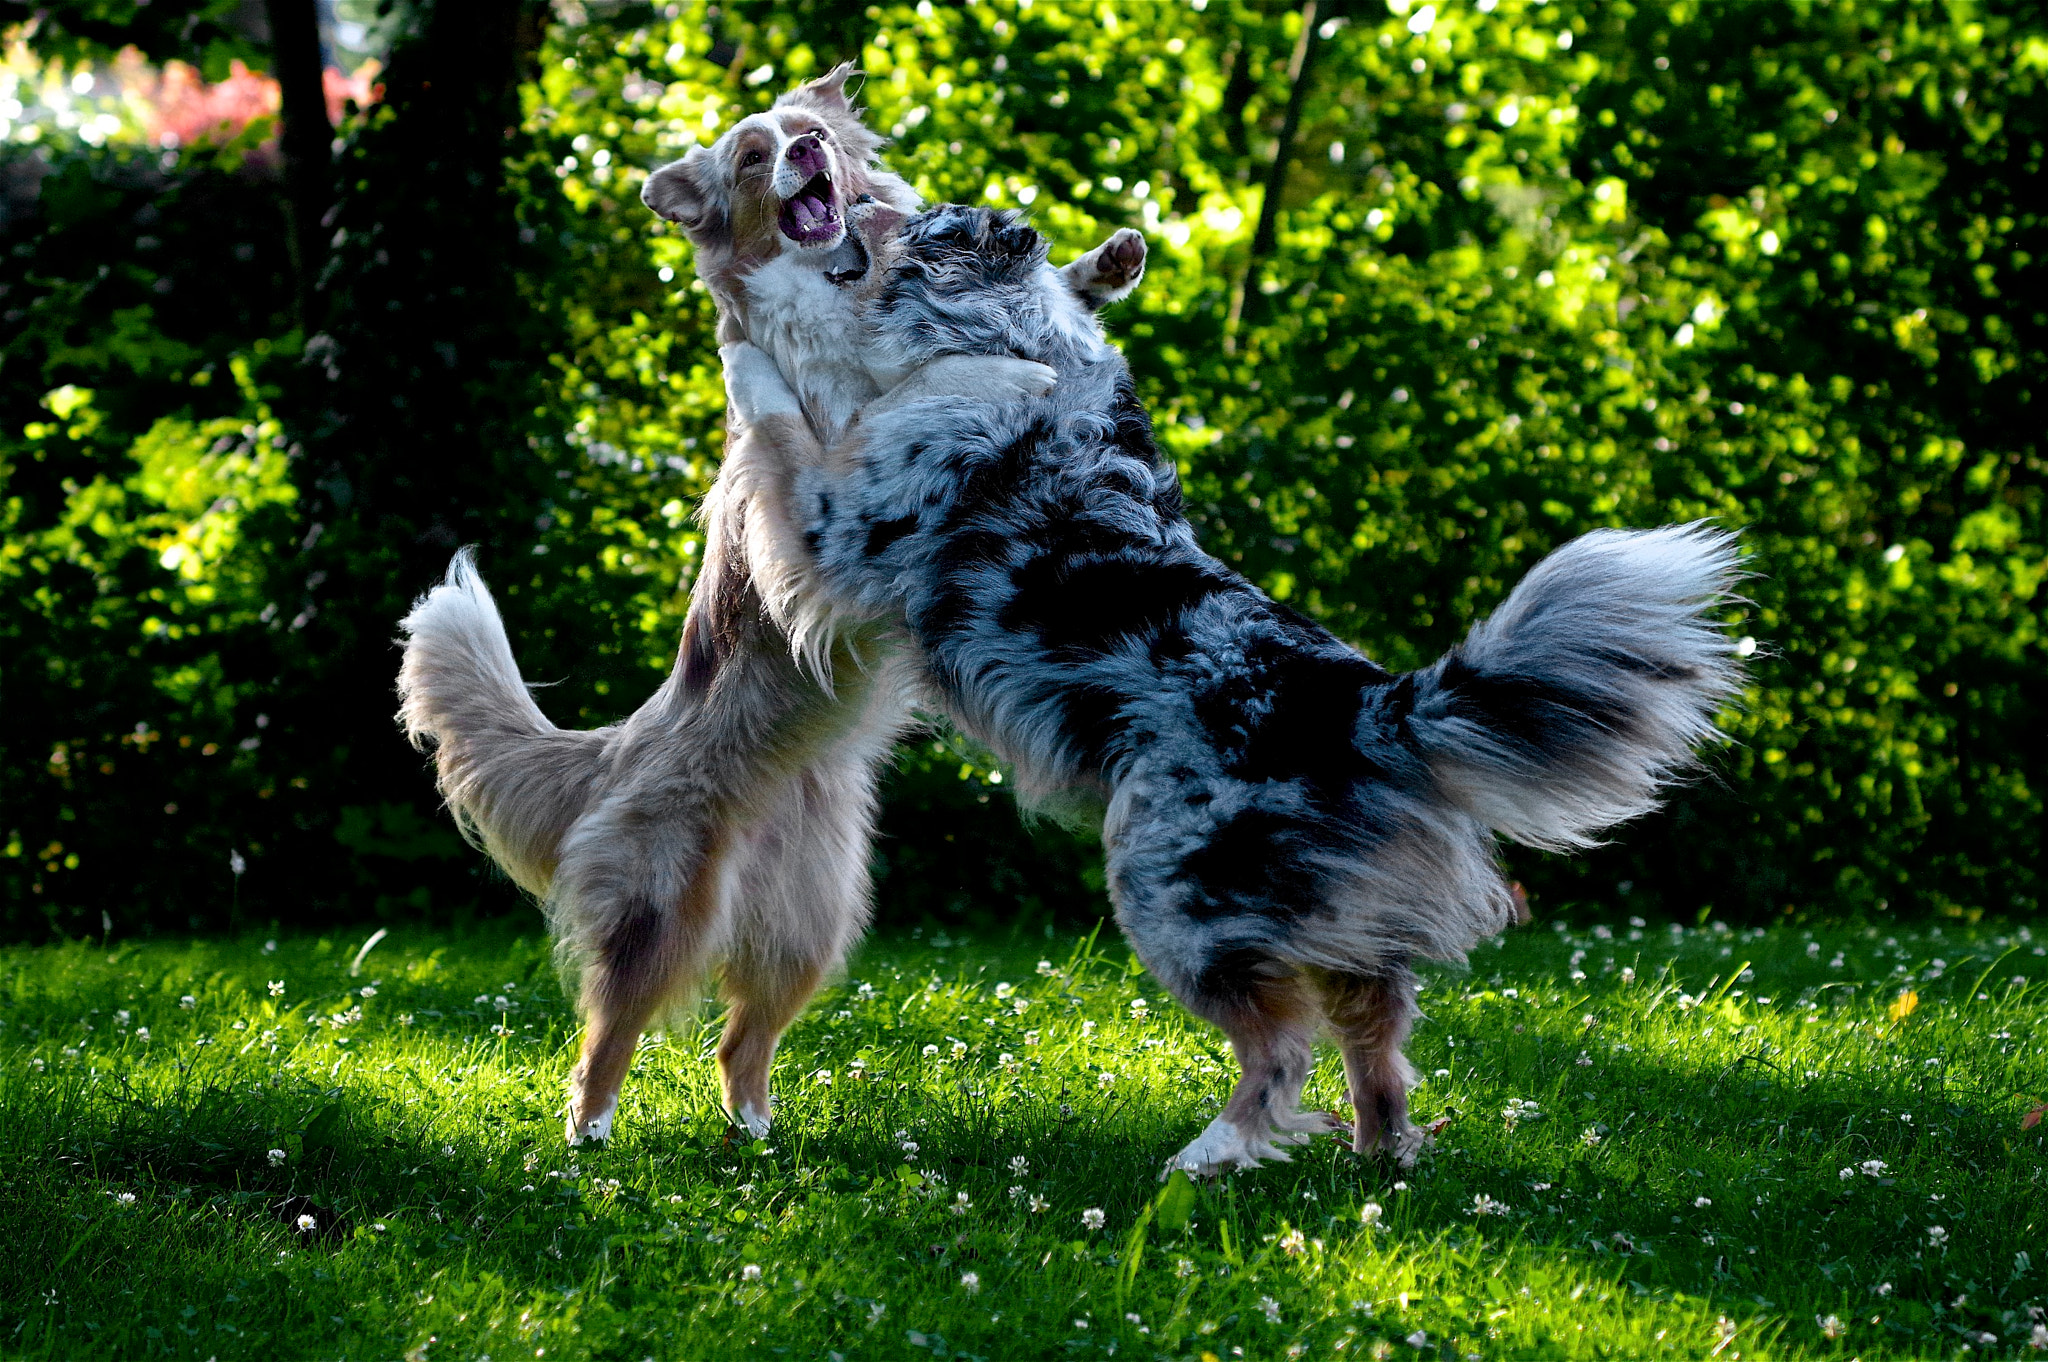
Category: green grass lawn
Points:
column 1648, row 1150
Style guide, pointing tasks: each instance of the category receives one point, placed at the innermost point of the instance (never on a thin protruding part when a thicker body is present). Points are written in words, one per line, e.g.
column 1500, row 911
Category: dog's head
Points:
column 778, row 182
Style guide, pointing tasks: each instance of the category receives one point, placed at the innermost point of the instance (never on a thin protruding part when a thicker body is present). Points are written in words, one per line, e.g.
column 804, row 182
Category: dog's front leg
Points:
column 998, row 379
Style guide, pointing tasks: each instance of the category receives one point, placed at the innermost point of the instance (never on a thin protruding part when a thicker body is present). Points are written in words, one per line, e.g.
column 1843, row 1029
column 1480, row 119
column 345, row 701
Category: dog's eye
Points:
column 752, row 158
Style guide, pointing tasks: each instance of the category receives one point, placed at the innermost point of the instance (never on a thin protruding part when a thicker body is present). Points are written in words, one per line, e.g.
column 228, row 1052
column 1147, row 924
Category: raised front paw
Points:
column 1109, row 272
column 754, row 387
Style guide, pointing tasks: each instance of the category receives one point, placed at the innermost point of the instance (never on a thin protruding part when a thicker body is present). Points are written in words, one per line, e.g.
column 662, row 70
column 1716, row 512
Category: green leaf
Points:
column 1176, row 1202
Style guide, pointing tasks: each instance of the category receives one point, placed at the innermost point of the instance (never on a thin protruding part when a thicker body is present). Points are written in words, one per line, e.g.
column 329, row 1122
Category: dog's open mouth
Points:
column 811, row 217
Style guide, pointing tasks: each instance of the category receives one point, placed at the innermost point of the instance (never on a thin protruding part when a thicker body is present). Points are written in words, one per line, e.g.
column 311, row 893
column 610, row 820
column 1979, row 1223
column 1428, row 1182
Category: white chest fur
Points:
column 812, row 329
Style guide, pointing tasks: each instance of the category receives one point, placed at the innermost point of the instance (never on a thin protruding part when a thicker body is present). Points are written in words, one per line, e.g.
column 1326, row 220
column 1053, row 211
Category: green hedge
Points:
column 1532, row 269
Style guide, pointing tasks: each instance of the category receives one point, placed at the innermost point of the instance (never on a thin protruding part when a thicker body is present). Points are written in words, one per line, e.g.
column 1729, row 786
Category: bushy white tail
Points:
column 1589, row 690
column 514, row 781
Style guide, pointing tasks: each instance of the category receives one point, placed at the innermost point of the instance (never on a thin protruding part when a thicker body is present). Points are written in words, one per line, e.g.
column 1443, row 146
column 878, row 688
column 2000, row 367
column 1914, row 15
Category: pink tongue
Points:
column 810, row 211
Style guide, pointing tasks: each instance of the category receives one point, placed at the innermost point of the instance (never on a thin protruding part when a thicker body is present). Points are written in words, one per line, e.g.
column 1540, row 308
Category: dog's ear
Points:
column 681, row 190
column 826, row 94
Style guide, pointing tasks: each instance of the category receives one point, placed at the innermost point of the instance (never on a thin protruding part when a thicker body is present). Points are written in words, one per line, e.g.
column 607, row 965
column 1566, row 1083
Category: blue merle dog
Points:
column 1287, row 824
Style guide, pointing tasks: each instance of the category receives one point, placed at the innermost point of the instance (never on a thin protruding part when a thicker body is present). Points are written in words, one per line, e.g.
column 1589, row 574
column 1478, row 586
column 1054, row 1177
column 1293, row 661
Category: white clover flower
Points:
column 277, row 988
column 1418, row 1339
column 909, row 1148
column 1087, row 1028
column 1371, row 1213
column 276, row 1158
column 124, row 1198
column 307, row 1224
column 1006, row 1062
column 751, row 1272
column 1038, row 1204
column 1628, row 974
column 1293, row 1242
column 1020, row 1005
column 823, row 1076
column 188, row 1002
column 961, row 1205
column 2040, row 1338
column 1883, row 1289
column 1105, row 1079
column 1483, row 1204
column 1872, row 1167
column 1832, row 1326
column 959, row 1049
column 1005, row 990
column 1937, row 1237
column 142, row 1033
column 1846, row 1174
column 971, row 1281
column 1139, row 1008
column 1045, row 967
column 1093, row 1217
column 930, row 1050
column 1590, row 1137
column 1272, row 1309
column 1031, row 1038
column 1701, row 1203
column 1017, row 1192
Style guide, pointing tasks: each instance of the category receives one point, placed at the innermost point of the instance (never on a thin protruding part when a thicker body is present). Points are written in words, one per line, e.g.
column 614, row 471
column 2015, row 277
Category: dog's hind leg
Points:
column 639, row 953
column 1370, row 1016
column 801, row 900
column 1269, row 1013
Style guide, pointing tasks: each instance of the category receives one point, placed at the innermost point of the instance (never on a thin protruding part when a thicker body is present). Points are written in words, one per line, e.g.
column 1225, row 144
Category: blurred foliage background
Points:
column 286, row 315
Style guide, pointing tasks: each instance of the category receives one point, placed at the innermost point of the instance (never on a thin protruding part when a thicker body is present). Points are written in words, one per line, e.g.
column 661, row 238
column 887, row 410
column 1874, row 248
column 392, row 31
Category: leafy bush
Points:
column 1529, row 270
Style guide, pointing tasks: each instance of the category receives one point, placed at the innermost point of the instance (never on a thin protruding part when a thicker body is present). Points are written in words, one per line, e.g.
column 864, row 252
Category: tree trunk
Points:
column 1298, row 69
column 306, row 139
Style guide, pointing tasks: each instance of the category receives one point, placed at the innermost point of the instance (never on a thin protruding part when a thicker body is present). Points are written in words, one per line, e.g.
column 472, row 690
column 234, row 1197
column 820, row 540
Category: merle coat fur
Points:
column 1287, row 823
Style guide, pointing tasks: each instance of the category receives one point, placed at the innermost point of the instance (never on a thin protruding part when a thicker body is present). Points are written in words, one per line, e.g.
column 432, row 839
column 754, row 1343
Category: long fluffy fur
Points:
column 1289, row 824
column 514, row 781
